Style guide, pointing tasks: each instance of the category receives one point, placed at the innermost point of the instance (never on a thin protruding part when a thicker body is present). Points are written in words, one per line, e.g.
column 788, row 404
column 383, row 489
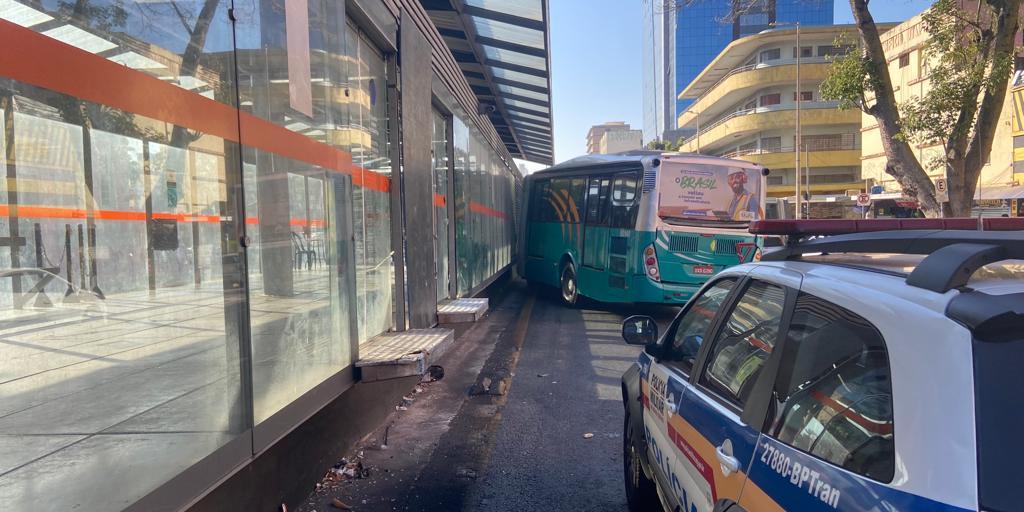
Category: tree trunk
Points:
column 180, row 136
column 971, row 163
column 901, row 163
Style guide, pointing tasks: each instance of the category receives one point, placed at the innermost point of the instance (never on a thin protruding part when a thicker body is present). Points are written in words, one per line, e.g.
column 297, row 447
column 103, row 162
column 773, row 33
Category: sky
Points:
column 596, row 63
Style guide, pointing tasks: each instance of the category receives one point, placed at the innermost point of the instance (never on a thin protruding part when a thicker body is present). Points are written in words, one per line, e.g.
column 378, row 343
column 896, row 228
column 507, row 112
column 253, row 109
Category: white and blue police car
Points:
column 866, row 365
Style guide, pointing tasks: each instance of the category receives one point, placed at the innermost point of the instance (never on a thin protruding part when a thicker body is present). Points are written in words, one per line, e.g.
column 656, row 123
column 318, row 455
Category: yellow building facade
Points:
column 744, row 105
column 905, row 51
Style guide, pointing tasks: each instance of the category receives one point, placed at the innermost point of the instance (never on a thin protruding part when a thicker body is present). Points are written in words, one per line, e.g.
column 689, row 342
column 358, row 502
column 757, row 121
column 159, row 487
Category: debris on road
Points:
column 338, row 504
column 434, row 373
column 542, row 375
column 588, row 435
column 487, row 386
column 466, row 473
column 343, row 470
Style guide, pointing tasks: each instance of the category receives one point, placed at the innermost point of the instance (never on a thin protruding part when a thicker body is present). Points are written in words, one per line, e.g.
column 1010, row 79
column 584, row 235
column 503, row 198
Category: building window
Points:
column 773, row 54
column 771, row 99
column 804, row 96
column 805, row 52
column 832, row 50
column 771, row 144
column 904, row 60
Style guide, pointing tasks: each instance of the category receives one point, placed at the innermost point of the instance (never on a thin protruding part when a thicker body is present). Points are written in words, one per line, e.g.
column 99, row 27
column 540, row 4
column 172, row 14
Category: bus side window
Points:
column 565, row 200
column 540, row 209
column 624, row 201
column 597, row 201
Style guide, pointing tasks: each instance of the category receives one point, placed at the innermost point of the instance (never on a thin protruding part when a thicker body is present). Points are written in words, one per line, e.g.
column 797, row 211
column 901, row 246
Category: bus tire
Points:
column 568, row 286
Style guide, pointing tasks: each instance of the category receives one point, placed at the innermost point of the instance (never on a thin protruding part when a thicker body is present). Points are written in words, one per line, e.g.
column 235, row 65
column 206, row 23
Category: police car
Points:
column 866, row 365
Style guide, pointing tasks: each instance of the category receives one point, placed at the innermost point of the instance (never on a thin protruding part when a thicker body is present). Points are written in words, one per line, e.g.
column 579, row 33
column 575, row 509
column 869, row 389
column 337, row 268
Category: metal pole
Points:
column 796, row 141
column 807, row 178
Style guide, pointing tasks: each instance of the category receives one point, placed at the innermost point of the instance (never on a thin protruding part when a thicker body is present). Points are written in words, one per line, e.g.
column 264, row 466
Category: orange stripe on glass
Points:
column 476, row 207
column 440, row 201
column 39, row 60
column 48, row 212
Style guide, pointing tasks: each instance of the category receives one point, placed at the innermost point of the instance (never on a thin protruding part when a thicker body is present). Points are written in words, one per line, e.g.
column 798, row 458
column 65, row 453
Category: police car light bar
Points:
column 823, row 227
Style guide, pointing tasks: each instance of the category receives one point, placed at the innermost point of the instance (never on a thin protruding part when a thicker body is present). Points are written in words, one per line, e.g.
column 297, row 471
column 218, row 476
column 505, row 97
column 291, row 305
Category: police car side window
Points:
column 693, row 326
column 834, row 390
column 745, row 342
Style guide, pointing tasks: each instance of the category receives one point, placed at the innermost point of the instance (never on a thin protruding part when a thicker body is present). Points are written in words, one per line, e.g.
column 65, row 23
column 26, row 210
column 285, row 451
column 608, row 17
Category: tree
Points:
column 970, row 55
column 662, row 145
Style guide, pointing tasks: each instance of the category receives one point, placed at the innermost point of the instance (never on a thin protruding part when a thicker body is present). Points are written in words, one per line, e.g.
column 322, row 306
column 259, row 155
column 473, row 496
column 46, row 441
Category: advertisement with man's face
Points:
column 709, row 192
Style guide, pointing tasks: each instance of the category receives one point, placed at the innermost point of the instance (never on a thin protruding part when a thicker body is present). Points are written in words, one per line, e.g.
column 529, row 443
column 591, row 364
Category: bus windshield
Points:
column 702, row 194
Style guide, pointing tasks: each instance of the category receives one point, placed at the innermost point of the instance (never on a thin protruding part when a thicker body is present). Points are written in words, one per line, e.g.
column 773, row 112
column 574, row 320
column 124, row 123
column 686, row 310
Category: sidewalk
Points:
column 455, row 416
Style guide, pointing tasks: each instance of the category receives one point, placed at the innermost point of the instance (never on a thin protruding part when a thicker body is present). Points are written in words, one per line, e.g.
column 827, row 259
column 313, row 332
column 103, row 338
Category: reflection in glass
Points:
column 837, row 404
column 116, row 373
column 298, row 215
column 746, row 340
column 119, row 364
column 439, row 153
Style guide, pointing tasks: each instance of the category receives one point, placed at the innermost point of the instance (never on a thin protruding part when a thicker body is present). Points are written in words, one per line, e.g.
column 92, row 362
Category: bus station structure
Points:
column 213, row 211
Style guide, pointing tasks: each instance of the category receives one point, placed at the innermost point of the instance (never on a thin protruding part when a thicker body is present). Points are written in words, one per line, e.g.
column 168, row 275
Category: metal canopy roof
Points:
column 503, row 50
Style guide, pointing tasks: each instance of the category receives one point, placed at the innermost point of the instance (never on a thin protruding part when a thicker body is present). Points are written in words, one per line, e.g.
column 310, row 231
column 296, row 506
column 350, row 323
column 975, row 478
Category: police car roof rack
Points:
column 956, row 248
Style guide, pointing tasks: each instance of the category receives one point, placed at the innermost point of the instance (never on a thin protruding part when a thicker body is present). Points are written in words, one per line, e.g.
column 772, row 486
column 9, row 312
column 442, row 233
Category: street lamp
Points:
column 694, row 112
column 799, row 99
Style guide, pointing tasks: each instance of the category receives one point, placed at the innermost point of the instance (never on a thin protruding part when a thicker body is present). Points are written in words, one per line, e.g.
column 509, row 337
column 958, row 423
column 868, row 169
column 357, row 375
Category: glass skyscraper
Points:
column 705, row 27
column 658, row 70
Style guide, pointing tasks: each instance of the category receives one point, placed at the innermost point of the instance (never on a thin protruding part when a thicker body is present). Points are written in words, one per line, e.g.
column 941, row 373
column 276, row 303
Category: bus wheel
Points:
column 570, row 292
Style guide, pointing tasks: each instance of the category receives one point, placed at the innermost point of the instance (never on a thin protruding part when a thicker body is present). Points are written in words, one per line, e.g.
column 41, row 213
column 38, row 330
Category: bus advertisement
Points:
column 639, row 227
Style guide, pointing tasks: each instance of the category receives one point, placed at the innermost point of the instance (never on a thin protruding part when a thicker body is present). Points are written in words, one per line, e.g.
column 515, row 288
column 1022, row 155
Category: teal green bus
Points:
column 643, row 228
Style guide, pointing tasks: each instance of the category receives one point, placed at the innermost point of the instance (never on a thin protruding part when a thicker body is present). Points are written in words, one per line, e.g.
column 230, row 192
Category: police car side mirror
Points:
column 640, row 330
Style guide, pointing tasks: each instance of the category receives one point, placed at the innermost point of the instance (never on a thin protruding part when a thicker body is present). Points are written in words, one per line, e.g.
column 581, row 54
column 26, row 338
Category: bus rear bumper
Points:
column 645, row 290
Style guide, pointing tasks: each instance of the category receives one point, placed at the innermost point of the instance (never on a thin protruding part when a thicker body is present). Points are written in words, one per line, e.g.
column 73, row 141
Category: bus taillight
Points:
column 651, row 263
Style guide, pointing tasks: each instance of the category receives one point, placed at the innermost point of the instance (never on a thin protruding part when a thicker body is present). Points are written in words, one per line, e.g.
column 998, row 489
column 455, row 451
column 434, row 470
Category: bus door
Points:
column 595, row 238
column 622, row 236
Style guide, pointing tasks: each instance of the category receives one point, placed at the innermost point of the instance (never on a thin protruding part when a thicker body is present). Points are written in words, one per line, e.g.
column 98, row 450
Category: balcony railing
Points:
column 761, row 65
column 760, row 110
column 845, row 142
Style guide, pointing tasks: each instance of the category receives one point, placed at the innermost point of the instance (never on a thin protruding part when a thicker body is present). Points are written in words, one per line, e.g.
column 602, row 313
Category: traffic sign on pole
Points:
column 863, row 199
column 941, row 190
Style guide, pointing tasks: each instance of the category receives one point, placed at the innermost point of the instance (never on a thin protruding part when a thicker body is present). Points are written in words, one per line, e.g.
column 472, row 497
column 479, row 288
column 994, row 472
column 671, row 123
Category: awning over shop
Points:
column 502, row 48
column 1007, row 192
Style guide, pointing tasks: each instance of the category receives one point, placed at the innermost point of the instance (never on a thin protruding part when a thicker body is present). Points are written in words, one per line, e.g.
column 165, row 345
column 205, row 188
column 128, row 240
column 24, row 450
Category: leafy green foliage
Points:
column 663, row 145
column 960, row 64
column 847, row 82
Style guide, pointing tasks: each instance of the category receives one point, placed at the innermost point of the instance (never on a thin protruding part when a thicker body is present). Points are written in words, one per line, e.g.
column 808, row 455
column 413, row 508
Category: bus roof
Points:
column 634, row 159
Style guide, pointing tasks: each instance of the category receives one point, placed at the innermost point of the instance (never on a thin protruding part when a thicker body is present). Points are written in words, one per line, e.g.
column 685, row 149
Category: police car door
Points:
column 715, row 438
column 664, row 389
column 829, row 442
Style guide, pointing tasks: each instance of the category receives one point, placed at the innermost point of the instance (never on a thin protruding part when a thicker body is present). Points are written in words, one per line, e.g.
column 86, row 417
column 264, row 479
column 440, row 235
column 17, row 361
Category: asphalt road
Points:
column 504, row 430
column 566, row 386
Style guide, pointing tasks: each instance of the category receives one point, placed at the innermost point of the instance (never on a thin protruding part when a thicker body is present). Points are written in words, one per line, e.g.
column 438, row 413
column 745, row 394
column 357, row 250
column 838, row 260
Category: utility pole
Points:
column 797, row 141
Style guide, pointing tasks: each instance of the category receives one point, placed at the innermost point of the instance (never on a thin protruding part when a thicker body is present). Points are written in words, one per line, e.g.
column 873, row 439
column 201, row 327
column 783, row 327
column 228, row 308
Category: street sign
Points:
column 941, row 190
column 863, row 199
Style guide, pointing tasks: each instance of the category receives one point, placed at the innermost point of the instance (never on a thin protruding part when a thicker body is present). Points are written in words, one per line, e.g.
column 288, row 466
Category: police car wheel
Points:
column 569, row 289
column 641, row 495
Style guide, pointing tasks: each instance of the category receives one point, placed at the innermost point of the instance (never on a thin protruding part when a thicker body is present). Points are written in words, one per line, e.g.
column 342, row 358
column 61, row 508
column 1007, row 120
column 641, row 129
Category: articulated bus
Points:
column 645, row 227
